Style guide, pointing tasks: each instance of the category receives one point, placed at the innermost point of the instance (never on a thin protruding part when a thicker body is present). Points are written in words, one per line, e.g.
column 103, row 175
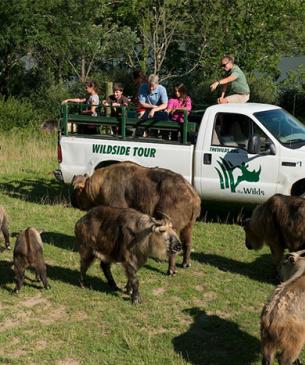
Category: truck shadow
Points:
column 261, row 269
column 214, row 340
column 41, row 191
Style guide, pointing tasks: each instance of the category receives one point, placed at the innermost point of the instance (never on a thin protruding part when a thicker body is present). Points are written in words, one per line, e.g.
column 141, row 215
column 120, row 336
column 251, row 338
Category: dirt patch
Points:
column 158, row 291
column 37, row 299
column 54, row 315
column 68, row 362
column 19, row 319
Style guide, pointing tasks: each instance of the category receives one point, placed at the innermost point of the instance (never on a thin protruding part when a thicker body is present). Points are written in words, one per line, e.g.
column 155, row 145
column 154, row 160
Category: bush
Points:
column 262, row 89
column 292, row 92
column 17, row 113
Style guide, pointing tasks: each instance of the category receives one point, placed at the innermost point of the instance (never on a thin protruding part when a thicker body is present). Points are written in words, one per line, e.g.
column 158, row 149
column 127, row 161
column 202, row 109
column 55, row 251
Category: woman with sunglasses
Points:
column 239, row 88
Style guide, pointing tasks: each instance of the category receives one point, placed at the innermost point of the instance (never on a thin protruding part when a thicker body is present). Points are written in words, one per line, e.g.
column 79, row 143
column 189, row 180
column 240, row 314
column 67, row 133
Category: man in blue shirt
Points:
column 153, row 98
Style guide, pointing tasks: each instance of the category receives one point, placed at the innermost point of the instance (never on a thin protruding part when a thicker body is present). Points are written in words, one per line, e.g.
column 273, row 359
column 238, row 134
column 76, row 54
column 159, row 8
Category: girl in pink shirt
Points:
column 180, row 101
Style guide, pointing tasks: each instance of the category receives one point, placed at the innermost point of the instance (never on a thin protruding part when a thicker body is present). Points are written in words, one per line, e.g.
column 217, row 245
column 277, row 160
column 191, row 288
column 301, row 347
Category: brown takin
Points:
column 4, row 227
column 283, row 316
column 280, row 223
column 28, row 252
column 126, row 236
column 154, row 191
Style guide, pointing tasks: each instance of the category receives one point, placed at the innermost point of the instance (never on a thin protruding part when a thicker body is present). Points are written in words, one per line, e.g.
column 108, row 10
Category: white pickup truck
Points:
column 241, row 153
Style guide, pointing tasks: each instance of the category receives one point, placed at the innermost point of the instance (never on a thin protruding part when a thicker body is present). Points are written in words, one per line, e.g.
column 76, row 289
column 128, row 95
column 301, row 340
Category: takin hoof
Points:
column 136, row 300
column 15, row 291
column 82, row 285
column 113, row 287
column 185, row 265
column 8, row 247
column 171, row 272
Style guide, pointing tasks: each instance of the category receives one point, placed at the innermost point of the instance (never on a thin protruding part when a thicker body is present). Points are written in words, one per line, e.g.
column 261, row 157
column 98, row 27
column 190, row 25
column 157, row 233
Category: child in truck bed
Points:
column 180, row 100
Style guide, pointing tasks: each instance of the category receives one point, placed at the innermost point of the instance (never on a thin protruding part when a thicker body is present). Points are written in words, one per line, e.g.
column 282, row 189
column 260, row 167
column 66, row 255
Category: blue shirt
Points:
column 156, row 97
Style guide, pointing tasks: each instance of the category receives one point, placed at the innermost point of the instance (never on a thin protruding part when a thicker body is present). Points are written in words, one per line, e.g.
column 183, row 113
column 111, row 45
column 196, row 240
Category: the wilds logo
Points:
column 226, row 178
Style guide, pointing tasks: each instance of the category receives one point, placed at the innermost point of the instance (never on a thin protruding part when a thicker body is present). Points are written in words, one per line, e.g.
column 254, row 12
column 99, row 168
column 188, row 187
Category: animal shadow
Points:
column 211, row 340
column 59, row 240
column 6, row 273
column 70, row 276
column 261, row 269
column 41, row 191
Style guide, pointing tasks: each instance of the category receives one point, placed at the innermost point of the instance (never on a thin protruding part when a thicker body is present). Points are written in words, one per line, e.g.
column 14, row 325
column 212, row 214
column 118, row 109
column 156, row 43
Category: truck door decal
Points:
column 226, row 177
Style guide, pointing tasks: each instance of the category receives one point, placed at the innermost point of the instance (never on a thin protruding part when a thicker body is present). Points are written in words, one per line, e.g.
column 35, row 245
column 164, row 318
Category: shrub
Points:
column 262, row 89
column 17, row 113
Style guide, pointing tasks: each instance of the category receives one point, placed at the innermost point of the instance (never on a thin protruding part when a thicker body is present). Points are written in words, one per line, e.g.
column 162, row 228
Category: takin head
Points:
column 254, row 240
column 292, row 265
column 78, row 199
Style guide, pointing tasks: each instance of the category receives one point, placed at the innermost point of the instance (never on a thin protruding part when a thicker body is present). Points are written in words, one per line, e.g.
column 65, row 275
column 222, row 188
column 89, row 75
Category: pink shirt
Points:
column 175, row 103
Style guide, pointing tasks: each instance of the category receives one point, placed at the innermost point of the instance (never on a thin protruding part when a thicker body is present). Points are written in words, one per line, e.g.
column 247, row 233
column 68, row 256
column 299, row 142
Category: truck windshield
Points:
column 283, row 126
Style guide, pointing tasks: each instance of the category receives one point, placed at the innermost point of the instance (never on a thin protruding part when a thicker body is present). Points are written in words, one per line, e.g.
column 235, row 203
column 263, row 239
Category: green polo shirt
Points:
column 240, row 85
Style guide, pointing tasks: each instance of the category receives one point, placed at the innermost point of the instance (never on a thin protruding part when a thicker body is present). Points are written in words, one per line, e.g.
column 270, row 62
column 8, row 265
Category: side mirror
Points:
column 254, row 145
column 271, row 149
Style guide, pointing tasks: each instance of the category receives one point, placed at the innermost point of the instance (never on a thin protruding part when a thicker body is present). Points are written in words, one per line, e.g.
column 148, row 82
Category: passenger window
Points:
column 234, row 130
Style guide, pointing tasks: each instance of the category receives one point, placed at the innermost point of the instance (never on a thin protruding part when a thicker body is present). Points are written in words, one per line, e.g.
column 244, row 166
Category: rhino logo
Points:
column 226, row 178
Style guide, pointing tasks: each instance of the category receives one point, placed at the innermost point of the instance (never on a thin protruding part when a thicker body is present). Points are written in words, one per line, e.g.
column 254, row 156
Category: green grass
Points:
column 207, row 314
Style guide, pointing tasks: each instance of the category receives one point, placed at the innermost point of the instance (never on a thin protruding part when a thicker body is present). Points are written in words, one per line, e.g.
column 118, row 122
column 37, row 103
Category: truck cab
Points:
column 245, row 153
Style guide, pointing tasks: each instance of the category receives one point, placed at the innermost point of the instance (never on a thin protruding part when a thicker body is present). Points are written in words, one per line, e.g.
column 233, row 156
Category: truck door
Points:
column 229, row 172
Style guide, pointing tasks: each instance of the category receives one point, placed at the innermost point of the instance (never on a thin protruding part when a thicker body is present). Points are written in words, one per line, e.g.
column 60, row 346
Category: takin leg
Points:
column 133, row 282
column 269, row 348
column 172, row 265
column 41, row 272
column 186, row 239
column 19, row 276
column 86, row 259
column 6, row 236
column 290, row 354
column 277, row 254
column 106, row 267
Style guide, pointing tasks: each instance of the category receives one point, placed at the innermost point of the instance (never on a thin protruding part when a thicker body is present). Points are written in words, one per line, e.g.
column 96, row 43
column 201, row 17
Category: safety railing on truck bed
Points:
column 125, row 124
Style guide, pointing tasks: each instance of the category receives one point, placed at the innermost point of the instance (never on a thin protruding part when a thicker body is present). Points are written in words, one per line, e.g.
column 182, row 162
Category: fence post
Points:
column 109, row 91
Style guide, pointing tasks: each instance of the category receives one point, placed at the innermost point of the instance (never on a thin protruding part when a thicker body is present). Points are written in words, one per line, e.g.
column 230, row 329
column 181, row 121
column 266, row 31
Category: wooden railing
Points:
column 71, row 116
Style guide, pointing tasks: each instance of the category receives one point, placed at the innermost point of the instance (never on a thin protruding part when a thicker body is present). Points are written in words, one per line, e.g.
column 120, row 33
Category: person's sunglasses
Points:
column 224, row 65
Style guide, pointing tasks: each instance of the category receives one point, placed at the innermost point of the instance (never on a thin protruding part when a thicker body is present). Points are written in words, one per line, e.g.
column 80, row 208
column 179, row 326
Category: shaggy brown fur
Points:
column 152, row 191
column 4, row 227
column 122, row 235
column 28, row 252
column 280, row 223
column 283, row 316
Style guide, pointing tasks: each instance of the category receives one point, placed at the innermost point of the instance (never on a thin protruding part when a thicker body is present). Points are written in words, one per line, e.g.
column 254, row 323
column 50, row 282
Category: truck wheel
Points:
column 105, row 164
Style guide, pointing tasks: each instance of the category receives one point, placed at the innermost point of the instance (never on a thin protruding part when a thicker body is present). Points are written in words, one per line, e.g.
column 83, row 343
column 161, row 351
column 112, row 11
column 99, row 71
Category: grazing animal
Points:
column 4, row 227
column 154, row 191
column 122, row 235
column 28, row 252
column 283, row 316
column 280, row 223
column 50, row 125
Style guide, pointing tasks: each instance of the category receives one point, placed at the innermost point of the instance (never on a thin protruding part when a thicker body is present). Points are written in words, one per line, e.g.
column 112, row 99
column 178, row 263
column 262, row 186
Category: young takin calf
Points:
column 28, row 252
column 283, row 316
column 4, row 227
column 123, row 235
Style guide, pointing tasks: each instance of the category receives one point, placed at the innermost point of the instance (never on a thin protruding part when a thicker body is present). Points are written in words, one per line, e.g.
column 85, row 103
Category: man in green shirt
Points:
column 239, row 88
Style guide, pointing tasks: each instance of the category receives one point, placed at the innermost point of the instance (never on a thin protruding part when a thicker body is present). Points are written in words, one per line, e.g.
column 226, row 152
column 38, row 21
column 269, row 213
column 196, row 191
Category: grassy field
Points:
column 207, row 314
